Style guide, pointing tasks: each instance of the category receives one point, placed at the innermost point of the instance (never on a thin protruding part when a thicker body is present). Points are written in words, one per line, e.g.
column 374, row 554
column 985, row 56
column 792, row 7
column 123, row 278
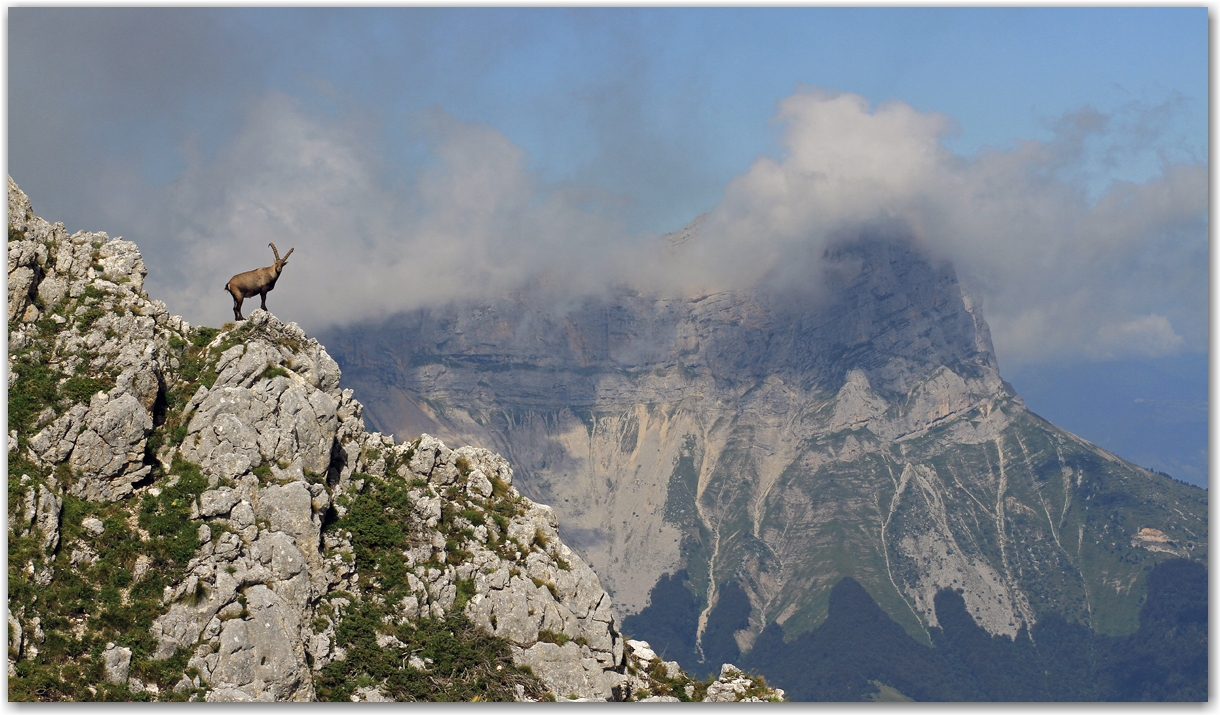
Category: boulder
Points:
column 48, row 510
column 109, row 451
column 217, row 502
column 116, row 661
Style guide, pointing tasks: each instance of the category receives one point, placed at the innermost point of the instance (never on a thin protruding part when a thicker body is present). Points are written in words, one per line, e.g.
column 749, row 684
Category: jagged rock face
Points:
column 112, row 334
column 784, row 438
column 211, row 480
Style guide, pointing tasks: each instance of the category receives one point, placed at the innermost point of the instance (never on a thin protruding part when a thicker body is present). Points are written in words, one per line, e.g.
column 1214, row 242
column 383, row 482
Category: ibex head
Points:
column 280, row 262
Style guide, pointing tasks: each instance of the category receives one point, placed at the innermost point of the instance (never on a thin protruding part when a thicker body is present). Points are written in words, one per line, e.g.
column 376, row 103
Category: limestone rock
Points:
column 217, row 502
column 873, row 398
column 121, row 259
column 568, row 670
column 14, row 637
column 284, row 453
column 49, row 508
column 109, row 450
column 261, row 656
column 116, row 663
column 640, row 649
column 20, row 212
column 143, row 564
column 368, row 694
column 1156, row 540
column 55, row 442
column 289, row 509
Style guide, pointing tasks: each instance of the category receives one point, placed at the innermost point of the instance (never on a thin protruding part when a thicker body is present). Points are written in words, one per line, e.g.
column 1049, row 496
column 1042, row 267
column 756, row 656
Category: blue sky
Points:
column 191, row 130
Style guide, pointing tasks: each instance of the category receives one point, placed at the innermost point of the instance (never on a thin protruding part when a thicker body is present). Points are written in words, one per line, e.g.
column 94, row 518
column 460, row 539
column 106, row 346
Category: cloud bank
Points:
column 472, row 224
column 1059, row 273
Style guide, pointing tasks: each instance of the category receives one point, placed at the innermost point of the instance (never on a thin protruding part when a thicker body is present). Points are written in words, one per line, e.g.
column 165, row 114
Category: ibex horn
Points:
column 275, row 251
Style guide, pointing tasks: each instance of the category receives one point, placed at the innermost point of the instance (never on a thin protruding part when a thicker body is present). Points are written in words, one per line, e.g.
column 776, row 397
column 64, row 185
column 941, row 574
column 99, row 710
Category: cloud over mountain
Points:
column 204, row 133
column 366, row 246
column 1124, row 274
column 1059, row 272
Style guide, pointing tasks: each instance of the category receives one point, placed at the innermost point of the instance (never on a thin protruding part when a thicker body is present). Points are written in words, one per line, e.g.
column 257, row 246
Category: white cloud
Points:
column 1059, row 274
column 1149, row 336
column 472, row 223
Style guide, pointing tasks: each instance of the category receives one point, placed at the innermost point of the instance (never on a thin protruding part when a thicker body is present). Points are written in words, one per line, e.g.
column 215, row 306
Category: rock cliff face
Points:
column 782, row 438
column 201, row 514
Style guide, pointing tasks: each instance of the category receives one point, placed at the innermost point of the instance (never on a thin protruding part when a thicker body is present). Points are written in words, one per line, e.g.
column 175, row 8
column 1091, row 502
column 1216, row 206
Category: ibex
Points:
column 259, row 282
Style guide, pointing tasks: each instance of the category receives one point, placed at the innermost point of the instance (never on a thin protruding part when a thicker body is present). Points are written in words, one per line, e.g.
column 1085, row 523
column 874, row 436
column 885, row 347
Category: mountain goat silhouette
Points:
column 259, row 281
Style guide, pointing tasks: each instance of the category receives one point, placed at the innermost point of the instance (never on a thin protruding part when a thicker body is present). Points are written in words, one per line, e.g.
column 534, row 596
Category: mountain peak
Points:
column 208, row 504
column 861, row 408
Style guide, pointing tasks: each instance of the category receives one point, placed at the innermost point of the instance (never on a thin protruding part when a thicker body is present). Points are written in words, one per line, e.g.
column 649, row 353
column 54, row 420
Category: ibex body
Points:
column 259, row 282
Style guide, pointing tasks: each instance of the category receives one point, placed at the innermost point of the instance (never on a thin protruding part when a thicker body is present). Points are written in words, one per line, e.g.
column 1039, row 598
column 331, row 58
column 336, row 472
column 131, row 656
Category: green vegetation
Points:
column 166, row 517
column 676, row 686
column 465, row 591
column 202, row 335
column 859, row 653
column 102, row 597
column 36, row 388
column 40, row 385
column 548, row 585
column 80, row 388
column 547, row 636
column 273, row 371
column 467, row 663
column 858, row 648
column 88, row 605
column 90, row 316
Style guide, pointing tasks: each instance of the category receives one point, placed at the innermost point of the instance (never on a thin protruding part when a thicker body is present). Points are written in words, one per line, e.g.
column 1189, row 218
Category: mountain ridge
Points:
column 865, row 415
column 200, row 514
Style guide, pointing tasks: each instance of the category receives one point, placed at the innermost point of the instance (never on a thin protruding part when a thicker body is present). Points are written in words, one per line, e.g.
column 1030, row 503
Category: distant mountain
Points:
column 743, row 453
column 859, row 653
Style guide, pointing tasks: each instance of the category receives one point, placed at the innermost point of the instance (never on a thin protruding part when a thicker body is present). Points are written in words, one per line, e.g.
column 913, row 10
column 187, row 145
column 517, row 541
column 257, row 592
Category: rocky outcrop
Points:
column 291, row 418
column 107, row 335
column 1156, row 540
column 116, row 663
column 218, row 491
column 734, row 686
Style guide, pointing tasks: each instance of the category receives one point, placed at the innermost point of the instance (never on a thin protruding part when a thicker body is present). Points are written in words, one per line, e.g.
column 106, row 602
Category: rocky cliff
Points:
column 771, row 442
column 199, row 513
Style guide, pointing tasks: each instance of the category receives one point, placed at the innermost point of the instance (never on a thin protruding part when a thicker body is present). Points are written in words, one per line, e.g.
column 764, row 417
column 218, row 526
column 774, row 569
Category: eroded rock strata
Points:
column 774, row 440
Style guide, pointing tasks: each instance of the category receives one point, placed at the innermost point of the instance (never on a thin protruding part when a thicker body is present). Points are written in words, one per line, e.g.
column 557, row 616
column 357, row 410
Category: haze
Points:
column 1056, row 156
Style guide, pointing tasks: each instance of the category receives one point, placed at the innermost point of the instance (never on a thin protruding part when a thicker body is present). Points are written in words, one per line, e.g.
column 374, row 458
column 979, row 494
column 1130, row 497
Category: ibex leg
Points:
column 237, row 301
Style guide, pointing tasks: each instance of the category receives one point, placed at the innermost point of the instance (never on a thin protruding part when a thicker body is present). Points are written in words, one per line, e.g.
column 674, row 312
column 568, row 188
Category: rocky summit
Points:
column 726, row 460
column 200, row 514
